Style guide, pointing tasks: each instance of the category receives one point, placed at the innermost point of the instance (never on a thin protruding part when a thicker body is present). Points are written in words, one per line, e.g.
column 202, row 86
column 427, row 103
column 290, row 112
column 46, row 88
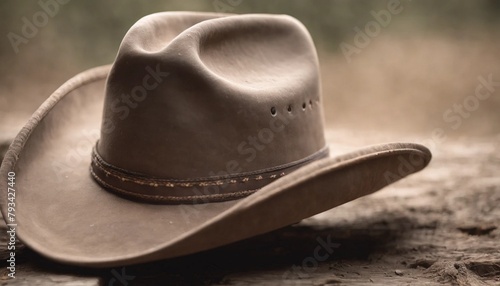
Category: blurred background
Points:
column 409, row 67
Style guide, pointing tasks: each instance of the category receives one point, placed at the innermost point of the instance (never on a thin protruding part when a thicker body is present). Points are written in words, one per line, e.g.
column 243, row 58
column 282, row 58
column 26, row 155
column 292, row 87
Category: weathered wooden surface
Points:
column 440, row 227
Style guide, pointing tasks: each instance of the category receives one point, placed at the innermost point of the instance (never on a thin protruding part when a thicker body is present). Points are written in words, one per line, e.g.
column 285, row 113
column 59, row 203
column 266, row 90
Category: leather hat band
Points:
column 192, row 191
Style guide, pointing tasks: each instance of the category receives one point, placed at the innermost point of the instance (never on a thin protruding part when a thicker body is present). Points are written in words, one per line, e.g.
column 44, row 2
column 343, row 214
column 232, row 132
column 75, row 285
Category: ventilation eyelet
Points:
column 304, row 105
column 273, row 111
column 289, row 108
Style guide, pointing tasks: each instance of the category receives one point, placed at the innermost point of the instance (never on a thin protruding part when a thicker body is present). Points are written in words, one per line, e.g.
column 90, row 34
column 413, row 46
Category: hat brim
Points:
column 64, row 215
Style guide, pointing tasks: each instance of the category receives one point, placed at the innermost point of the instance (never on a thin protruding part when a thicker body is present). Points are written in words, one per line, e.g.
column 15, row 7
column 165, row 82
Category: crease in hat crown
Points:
column 203, row 107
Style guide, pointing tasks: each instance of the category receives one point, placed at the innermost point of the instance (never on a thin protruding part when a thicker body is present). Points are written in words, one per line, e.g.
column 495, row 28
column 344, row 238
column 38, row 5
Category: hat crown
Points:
column 201, row 95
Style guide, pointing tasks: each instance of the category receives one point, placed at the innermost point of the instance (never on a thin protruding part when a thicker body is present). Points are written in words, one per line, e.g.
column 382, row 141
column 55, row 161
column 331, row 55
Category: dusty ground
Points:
column 441, row 226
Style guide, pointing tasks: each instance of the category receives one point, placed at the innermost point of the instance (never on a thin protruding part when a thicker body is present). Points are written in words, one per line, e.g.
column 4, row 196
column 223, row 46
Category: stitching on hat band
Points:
column 183, row 199
column 189, row 191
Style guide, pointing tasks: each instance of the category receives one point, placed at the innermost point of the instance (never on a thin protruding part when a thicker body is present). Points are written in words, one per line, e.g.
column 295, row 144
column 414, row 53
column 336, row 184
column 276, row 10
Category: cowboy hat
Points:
column 207, row 129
